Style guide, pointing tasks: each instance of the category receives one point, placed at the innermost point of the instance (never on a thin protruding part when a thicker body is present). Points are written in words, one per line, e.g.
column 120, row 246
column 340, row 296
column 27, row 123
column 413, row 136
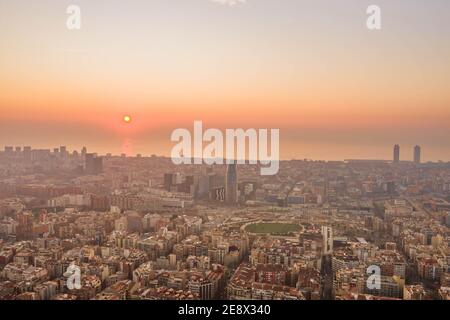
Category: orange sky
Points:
column 312, row 69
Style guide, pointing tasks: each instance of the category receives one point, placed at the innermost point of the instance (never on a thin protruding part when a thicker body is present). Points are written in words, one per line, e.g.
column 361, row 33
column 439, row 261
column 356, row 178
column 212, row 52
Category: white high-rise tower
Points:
column 327, row 234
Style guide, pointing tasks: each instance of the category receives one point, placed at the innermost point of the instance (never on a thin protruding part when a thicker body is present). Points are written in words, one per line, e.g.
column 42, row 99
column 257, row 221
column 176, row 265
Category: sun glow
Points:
column 127, row 119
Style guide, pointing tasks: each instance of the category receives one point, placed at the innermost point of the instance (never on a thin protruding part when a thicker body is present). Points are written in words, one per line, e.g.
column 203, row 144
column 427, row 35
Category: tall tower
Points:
column 93, row 164
column 326, row 268
column 417, row 151
column 231, row 184
column 89, row 163
column 327, row 236
column 396, row 153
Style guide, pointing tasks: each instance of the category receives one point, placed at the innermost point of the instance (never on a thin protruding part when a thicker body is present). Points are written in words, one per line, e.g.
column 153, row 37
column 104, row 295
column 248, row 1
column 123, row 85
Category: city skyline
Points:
column 74, row 226
column 416, row 154
column 232, row 157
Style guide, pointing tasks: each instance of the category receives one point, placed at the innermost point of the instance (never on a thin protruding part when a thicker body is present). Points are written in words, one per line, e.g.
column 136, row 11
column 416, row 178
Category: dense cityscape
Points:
column 141, row 228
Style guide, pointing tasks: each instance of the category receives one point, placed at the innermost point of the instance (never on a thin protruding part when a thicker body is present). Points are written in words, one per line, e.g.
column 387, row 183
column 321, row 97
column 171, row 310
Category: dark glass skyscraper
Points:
column 93, row 164
column 396, row 153
column 231, row 184
column 417, row 151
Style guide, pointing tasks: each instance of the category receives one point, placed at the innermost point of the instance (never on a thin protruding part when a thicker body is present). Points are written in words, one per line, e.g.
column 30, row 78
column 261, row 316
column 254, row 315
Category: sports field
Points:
column 273, row 228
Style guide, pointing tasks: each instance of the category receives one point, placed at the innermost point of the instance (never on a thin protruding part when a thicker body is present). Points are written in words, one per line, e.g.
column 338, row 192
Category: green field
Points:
column 273, row 228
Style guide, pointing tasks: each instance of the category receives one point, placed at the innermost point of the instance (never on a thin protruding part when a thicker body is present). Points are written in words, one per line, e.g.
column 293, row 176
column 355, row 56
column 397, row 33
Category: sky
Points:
column 312, row 69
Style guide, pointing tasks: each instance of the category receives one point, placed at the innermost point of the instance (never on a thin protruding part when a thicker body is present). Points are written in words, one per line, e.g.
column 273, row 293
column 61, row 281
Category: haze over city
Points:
column 310, row 68
column 216, row 158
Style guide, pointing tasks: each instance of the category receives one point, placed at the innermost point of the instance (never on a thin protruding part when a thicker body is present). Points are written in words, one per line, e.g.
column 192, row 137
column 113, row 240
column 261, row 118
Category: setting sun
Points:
column 127, row 119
